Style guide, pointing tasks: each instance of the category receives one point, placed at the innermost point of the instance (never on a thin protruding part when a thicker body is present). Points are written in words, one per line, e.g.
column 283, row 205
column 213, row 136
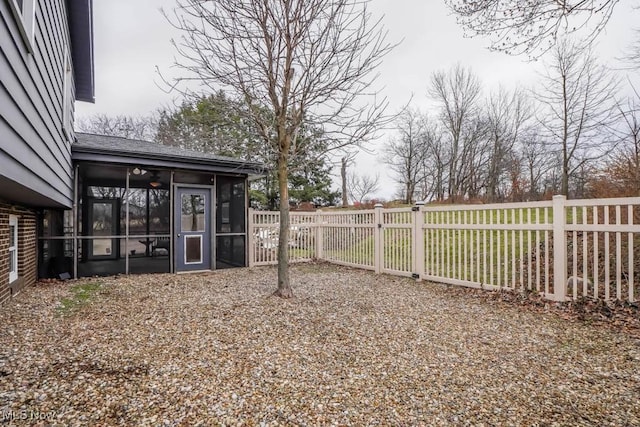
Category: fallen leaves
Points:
column 351, row 348
column 619, row 315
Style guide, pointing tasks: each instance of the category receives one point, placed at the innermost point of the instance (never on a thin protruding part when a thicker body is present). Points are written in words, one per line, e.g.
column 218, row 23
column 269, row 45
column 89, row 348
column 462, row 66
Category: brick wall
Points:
column 27, row 250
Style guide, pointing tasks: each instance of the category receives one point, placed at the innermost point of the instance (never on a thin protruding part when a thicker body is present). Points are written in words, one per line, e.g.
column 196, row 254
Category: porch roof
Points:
column 124, row 151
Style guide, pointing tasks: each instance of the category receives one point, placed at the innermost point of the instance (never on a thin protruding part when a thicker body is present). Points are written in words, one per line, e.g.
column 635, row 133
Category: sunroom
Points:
column 142, row 207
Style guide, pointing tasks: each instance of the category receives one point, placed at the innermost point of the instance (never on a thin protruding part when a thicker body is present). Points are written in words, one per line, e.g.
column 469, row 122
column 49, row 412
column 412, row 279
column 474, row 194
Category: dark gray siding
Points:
column 35, row 153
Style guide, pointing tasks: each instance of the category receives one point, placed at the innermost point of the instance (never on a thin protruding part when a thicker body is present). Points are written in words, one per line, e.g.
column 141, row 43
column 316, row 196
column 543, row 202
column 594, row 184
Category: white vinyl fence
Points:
column 518, row 246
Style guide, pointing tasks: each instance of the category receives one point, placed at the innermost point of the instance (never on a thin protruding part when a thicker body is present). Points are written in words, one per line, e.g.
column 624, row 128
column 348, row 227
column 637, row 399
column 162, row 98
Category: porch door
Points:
column 192, row 227
column 103, row 221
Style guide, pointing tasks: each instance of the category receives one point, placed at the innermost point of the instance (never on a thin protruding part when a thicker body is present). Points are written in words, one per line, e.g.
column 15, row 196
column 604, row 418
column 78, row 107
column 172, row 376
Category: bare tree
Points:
column 629, row 133
column 507, row 115
column 623, row 169
column 434, row 167
column 471, row 175
column 516, row 191
column 132, row 127
column 632, row 54
column 302, row 61
column 345, row 162
column 362, row 187
column 405, row 155
column 343, row 175
column 458, row 92
column 536, row 161
column 533, row 26
column 580, row 178
column 577, row 97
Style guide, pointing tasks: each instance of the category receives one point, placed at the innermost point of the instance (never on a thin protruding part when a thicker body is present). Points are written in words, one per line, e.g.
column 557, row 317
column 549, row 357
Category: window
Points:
column 24, row 12
column 193, row 212
column 13, row 248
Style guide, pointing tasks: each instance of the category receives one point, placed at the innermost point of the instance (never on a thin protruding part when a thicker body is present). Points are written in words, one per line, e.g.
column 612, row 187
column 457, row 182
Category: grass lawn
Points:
column 353, row 348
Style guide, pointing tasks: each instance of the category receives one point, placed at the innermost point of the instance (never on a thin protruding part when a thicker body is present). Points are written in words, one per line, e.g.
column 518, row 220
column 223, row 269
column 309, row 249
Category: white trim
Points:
column 193, row 271
column 13, row 250
column 200, row 236
column 25, row 18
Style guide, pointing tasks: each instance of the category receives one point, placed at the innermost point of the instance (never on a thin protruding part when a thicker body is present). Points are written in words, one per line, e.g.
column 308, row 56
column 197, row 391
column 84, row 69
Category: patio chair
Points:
column 160, row 246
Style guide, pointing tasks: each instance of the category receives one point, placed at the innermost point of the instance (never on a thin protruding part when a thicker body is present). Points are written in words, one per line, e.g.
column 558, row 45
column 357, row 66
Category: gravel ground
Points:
column 352, row 348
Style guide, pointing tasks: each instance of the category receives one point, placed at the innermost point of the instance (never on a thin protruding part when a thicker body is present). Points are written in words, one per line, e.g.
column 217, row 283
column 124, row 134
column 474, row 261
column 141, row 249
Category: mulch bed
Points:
column 352, row 348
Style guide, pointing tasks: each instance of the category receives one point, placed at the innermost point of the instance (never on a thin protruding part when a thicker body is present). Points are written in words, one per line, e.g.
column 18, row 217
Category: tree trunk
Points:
column 194, row 213
column 492, row 179
column 533, row 193
column 410, row 189
column 564, row 190
column 284, row 285
column 343, row 175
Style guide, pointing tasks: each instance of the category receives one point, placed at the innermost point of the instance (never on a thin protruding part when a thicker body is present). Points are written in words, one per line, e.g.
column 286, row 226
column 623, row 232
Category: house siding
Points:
column 35, row 151
column 27, row 250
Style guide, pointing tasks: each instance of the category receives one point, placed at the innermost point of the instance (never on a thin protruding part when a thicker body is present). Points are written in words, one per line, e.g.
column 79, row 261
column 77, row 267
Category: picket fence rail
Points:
column 518, row 246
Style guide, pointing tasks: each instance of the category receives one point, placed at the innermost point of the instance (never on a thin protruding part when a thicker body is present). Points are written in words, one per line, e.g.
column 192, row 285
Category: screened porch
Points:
column 139, row 214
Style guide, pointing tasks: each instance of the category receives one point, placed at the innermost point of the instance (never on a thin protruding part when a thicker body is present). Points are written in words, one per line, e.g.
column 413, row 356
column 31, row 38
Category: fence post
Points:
column 378, row 251
column 559, row 250
column 417, row 240
column 319, row 235
column 250, row 239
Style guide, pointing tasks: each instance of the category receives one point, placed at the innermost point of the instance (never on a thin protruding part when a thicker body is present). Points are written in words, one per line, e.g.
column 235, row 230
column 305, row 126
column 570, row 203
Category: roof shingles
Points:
column 118, row 146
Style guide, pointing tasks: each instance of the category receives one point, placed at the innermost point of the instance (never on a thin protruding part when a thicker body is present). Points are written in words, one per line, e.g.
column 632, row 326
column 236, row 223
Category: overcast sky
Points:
column 132, row 41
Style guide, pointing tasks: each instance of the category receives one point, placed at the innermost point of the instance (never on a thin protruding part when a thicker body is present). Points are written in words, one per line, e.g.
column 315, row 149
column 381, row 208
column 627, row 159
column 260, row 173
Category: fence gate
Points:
column 396, row 232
